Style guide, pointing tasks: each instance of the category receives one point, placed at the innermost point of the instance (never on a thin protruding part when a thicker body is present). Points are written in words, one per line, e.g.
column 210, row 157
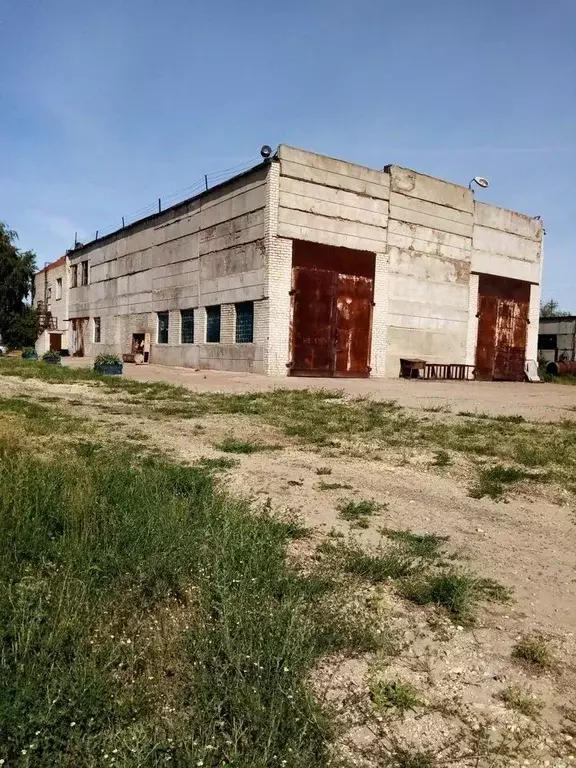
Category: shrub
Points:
column 51, row 356
column 533, row 650
column 103, row 359
column 28, row 352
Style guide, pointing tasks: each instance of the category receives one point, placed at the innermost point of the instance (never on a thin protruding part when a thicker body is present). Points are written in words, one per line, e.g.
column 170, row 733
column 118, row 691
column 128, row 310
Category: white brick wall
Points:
column 534, row 323
column 278, row 283
column 380, row 317
column 472, row 333
column 227, row 324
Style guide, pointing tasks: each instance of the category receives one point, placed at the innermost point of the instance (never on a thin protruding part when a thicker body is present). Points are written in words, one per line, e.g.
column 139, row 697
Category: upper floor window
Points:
column 59, row 288
column 187, row 326
column 163, row 320
column 213, row 325
column 73, row 275
column 245, row 322
column 84, row 274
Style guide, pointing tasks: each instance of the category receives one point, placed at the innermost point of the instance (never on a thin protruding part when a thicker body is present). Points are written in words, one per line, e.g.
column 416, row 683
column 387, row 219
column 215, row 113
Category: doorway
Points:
column 332, row 299
column 503, row 307
column 55, row 342
column 79, row 329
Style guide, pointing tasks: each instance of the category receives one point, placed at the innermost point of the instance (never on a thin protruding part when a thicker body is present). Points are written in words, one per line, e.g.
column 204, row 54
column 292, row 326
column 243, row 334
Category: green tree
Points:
column 550, row 309
column 17, row 318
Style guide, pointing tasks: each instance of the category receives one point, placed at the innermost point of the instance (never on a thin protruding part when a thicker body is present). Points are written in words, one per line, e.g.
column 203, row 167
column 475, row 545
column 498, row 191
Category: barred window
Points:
column 245, row 322
column 162, row 327
column 187, row 326
column 213, row 325
column 84, row 275
column 73, row 275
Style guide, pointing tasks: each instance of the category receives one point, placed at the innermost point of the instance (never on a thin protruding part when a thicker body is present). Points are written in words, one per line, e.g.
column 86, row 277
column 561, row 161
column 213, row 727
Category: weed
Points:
column 354, row 511
column 523, row 701
column 533, row 650
column 377, row 567
column 230, row 445
column 491, row 481
column 426, row 545
column 442, row 459
column 438, row 409
column 323, row 471
column 219, row 463
column 322, row 486
column 394, row 695
column 458, row 592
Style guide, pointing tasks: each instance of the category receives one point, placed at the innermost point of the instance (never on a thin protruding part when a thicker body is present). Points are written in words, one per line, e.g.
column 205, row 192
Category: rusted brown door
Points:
column 503, row 306
column 55, row 341
column 353, row 318
column 331, row 322
column 312, row 322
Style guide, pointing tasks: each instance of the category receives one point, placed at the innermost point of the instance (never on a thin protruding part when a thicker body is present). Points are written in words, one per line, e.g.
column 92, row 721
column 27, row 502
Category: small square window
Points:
column 213, row 325
column 84, row 274
column 187, row 326
column 245, row 322
column 74, row 276
column 97, row 330
column 58, row 288
column 163, row 327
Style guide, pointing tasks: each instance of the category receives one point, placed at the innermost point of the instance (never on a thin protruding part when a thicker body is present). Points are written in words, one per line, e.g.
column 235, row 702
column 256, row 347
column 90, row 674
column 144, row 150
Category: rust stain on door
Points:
column 503, row 306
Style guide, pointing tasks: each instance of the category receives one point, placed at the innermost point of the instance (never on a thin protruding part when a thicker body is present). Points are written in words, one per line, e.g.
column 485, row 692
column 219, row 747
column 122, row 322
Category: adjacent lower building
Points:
column 307, row 265
column 557, row 339
column 51, row 299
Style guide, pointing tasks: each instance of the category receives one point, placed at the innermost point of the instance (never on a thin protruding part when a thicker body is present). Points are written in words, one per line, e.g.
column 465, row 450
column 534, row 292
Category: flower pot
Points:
column 55, row 361
column 109, row 369
column 32, row 356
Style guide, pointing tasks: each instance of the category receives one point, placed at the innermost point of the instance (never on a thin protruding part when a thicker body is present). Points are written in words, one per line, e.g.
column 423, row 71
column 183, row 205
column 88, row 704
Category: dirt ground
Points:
column 527, row 543
column 541, row 401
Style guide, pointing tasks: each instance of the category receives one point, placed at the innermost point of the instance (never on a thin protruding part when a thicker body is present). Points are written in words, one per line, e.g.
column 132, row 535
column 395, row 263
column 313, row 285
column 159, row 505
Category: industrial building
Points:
column 307, row 265
column 557, row 339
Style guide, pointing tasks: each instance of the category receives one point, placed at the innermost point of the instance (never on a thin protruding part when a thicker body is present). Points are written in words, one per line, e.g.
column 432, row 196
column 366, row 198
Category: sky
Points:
column 106, row 106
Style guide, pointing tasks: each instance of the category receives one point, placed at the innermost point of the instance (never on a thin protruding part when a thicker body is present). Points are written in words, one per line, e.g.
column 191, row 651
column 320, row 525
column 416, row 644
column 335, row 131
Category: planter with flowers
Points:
column 51, row 357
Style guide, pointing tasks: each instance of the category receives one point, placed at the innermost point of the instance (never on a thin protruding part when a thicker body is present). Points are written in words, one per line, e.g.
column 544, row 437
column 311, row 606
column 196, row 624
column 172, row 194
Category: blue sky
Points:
column 105, row 106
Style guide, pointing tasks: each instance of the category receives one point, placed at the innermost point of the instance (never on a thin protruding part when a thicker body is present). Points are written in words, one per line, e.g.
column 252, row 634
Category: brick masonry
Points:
column 472, row 333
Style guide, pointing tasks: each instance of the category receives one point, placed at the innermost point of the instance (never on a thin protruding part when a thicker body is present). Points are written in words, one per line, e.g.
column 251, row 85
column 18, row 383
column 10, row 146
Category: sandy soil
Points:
column 528, row 543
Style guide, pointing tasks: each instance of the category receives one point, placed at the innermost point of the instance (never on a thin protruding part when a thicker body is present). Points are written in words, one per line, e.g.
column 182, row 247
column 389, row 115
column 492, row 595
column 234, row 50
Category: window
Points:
column 59, row 288
column 213, row 325
column 162, row 327
column 187, row 326
column 84, row 275
column 245, row 322
column 73, row 275
column 97, row 330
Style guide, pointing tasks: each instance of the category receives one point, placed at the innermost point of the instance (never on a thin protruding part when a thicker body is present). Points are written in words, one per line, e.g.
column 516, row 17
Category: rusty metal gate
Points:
column 331, row 312
column 503, row 306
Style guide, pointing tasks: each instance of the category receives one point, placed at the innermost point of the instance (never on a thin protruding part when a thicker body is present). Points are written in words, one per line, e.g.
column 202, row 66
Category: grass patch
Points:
column 459, row 592
column 521, row 700
column 442, row 459
column 39, row 419
column 377, row 568
column 322, row 486
column 220, row 463
column 146, row 615
column 323, row 471
column 230, row 445
column 492, row 481
column 396, row 695
column 426, row 545
column 358, row 511
column 534, row 651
